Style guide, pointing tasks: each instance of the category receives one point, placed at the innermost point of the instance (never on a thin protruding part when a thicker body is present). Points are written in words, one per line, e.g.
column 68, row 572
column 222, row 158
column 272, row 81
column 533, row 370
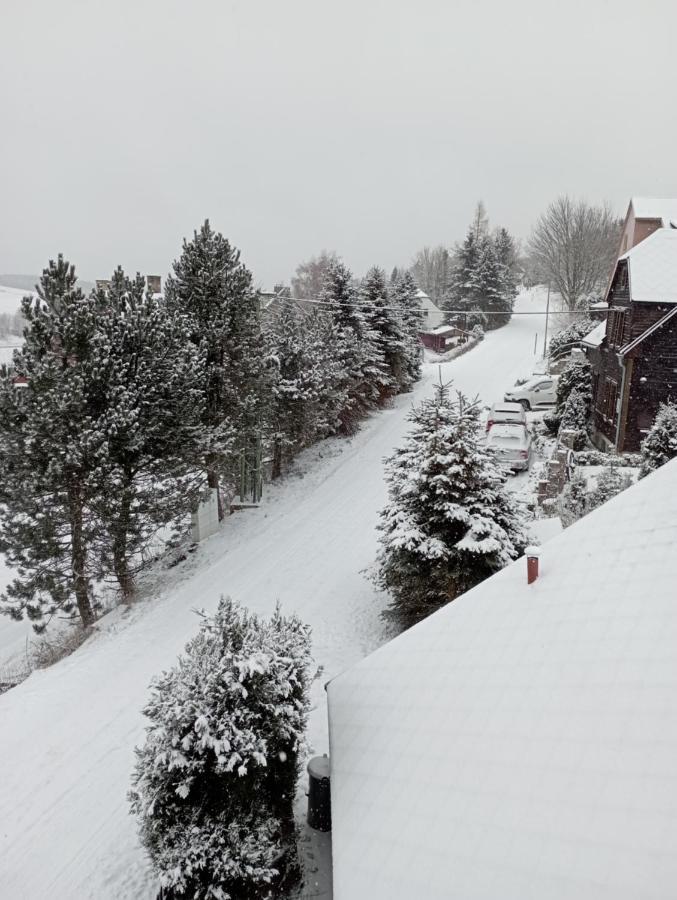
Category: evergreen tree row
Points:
column 122, row 408
column 334, row 359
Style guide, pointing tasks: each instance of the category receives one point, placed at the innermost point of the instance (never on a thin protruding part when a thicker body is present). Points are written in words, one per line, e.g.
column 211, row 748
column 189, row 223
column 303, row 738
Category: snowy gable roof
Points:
column 522, row 742
column 653, row 208
column 596, row 336
column 653, row 268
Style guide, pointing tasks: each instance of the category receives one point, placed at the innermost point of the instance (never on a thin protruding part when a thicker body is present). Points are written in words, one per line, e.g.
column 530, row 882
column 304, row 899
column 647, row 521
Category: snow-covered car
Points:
column 541, row 390
column 506, row 413
column 512, row 445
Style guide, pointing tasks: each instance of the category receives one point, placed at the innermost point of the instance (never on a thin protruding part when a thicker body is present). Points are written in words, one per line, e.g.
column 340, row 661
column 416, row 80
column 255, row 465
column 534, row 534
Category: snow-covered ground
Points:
column 10, row 299
column 67, row 734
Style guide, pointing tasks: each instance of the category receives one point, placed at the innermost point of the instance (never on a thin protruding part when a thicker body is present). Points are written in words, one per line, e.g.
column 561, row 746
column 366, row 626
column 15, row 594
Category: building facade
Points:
column 634, row 361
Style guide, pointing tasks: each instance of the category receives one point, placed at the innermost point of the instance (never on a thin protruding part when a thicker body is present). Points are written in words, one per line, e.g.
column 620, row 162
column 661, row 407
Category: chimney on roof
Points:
column 154, row 283
column 532, row 554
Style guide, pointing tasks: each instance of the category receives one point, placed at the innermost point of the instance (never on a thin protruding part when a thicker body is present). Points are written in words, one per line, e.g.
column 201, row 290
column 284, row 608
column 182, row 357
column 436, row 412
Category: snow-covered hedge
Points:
column 598, row 458
column 215, row 781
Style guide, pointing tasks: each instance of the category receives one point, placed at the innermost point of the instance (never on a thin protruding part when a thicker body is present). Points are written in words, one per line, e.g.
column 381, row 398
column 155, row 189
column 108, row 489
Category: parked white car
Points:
column 540, row 390
column 506, row 413
column 512, row 444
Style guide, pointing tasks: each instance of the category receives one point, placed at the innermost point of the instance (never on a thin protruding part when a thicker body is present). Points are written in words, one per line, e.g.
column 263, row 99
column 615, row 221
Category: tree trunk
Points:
column 79, row 555
column 277, row 458
column 120, row 560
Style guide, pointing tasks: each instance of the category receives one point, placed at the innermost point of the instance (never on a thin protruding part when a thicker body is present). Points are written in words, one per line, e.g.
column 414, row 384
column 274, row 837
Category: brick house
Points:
column 644, row 216
column 634, row 354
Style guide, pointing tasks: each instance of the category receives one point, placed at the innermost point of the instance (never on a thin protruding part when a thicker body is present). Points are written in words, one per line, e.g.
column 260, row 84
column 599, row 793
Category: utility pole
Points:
column 547, row 313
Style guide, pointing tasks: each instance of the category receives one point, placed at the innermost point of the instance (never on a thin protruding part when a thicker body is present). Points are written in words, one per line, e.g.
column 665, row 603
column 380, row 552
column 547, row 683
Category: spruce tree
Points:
column 466, row 288
column 215, row 781
column 392, row 339
column 404, row 296
column 51, row 454
column 660, row 444
column 148, row 378
column 356, row 349
column 450, row 521
column 213, row 289
column 296, row 415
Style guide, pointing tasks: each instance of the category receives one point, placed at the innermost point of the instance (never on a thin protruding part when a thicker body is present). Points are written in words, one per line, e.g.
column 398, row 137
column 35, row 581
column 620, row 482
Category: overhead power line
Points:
column 364, row 304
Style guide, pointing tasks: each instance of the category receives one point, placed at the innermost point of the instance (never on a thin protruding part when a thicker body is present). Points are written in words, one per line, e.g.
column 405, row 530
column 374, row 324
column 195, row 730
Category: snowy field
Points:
column 10, row 303
column 68, row 733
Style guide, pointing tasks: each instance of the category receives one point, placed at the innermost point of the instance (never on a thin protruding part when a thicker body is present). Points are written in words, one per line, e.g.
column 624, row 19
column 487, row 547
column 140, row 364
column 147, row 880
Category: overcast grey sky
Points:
column 368, row 127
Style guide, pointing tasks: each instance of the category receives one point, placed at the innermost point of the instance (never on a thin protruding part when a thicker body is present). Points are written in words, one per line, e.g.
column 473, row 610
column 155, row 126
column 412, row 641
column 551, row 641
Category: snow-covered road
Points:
column 67, row 734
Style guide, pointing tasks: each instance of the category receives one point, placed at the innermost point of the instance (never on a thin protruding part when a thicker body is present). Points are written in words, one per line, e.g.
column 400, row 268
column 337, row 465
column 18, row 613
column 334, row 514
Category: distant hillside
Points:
column 28, row 282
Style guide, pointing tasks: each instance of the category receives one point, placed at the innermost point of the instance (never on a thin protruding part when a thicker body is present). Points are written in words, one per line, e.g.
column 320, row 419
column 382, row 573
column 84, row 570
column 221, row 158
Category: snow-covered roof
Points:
column 653, row 208
column 442, row 329
column 653, row 268
column 596, row 336
column 522, row 742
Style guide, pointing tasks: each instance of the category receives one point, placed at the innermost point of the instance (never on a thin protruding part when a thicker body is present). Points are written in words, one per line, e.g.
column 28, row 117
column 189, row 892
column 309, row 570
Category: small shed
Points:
column 441, row 339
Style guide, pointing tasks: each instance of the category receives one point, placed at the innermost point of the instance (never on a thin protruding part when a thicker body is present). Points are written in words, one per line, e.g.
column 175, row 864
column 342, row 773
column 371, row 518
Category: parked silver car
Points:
column 512, row 445
column 540, row 390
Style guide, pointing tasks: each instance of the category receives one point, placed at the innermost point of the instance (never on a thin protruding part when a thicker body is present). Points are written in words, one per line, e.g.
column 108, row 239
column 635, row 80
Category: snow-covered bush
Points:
column 478, row 332
column 577, row 376
column 573, row 502
column 450, row 521
column 215, row 781
column 578, row 498
column 660, row 444
column 570, row 335
column 610, row 481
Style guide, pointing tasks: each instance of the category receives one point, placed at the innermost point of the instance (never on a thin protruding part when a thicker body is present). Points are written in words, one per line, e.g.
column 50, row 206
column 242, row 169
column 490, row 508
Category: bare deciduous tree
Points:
column 432, row 270
column 573, row 247
column 308, row 280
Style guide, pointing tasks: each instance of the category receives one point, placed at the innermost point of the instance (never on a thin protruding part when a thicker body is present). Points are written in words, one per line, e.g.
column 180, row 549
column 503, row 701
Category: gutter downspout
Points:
column 626, row 364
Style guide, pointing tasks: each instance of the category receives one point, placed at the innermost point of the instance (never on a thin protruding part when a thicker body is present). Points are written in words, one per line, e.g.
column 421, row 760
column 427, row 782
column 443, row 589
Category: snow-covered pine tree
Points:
column 213, row 288
column 465, row 292
column 356, row 349
column 404, row 296
column 660, row 444
column 149, row 379
column 327, row 338
column 388, row 327
column 215, row 781
column 450, row 521
column 51, row 454
column 295, row 416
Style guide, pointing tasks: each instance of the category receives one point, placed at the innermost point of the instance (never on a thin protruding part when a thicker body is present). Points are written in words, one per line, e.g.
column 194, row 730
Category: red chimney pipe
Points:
column 533, row 554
